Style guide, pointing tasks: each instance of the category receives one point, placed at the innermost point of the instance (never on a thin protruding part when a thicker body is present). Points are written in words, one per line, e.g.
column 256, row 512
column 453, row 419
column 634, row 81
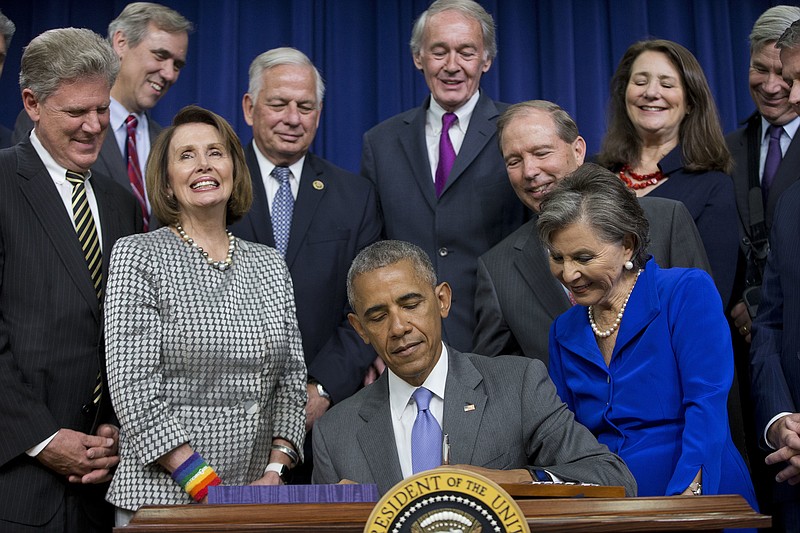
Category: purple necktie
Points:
column 773, row 160
column 426, row 435
column 447, row 154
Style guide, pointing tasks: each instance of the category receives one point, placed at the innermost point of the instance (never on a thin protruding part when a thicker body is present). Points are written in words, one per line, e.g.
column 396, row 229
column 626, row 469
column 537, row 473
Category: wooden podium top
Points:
column 676, row 513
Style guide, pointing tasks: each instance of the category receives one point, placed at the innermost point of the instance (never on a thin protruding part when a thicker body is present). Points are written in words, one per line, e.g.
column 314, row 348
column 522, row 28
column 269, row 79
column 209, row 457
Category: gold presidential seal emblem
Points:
column 446, row 500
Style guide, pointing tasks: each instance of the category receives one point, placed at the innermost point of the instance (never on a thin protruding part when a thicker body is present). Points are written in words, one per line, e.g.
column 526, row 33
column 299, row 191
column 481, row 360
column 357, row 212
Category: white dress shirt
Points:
column 404, row 409
column 271, row 184
column 433, row 128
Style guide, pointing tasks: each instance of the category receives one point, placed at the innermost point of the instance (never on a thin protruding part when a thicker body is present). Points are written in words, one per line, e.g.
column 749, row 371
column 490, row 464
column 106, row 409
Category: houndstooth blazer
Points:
column 203, row 356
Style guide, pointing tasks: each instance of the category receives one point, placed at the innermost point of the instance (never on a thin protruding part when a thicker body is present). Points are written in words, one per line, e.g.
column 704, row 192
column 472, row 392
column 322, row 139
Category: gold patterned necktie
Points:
column 86, row 230
column 90, row 243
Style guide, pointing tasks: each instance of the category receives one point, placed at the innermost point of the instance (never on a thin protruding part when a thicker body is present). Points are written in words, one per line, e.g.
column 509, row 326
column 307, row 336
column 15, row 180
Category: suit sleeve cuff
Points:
column 36, row 450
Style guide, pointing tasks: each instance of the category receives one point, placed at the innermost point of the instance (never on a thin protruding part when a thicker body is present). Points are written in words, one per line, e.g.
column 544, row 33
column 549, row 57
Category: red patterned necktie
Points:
column 134, row 170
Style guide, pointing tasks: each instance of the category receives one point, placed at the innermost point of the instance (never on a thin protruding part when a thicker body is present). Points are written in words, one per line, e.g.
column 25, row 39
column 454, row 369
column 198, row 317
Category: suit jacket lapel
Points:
column 463, row 407
column 308, row 198
column 109, row 220
column 376, row 437
column 482, row 128
column 742, row 180
column 642, row 308
column 114, row 161
column 40, row 192
column 531, row 261
column 259, row 214
column 412, row 139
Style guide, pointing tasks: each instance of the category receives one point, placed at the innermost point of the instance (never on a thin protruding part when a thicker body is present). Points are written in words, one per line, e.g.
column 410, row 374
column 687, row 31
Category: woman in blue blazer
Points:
column 644, row 359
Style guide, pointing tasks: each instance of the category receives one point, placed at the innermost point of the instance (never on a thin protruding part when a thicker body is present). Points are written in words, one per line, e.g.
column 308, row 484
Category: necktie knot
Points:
column 75, row 178
column 131, row 123
column 775, row 132
column 422, row 397
column 282, row 174
column 448, row 119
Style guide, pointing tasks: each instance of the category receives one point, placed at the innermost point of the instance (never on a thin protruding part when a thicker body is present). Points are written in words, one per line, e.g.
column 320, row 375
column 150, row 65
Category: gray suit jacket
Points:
column 110, row 162
column 476, row 210
column 518, row 422
column 517, row 297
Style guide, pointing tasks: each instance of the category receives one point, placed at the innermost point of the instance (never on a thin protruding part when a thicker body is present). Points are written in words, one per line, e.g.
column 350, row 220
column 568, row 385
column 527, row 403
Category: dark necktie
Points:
column 135, row 170
column 447, row 154
column 90, row 243
column 426, row 435
column 773, row 160
column 282, row 207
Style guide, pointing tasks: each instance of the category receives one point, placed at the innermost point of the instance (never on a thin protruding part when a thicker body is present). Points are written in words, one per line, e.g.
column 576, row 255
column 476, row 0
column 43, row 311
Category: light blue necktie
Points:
column 282, row 207
column 426, row 435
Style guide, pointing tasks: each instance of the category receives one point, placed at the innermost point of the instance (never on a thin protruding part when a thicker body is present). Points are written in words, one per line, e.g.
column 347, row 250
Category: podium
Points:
column 676, row 513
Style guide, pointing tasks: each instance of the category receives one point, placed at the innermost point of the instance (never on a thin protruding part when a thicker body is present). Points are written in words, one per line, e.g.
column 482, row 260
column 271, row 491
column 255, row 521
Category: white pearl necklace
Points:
column 223, row 265
column 615, row 325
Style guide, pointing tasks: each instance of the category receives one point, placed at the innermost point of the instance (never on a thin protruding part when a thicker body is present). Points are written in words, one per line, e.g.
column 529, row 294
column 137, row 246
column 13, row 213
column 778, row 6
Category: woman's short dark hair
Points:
column 599, row 198
column 163, row 204
column 700, row 135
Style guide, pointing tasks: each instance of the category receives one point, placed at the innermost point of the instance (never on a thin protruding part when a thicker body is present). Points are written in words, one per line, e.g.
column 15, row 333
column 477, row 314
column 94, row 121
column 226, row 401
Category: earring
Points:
column 628, row 265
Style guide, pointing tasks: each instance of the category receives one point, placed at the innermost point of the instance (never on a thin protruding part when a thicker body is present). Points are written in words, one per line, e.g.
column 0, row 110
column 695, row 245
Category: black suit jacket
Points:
column 518, row 298
column 335, row 216
column 50, row 327
column 775, row 352
column 475, row 211
column 788, row 172
column 110, row 162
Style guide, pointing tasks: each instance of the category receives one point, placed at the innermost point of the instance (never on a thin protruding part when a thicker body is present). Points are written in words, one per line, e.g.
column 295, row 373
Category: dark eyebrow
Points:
column 410, row 296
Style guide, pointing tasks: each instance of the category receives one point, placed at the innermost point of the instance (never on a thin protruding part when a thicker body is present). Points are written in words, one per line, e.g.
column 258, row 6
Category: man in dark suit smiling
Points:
column 58, row 222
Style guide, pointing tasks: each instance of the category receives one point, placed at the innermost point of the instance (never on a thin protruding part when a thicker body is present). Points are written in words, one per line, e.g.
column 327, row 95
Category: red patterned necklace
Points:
column 642, row 180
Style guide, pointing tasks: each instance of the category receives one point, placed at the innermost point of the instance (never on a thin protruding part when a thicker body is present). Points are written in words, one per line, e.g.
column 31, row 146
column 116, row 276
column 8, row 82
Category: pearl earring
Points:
column 628, row 265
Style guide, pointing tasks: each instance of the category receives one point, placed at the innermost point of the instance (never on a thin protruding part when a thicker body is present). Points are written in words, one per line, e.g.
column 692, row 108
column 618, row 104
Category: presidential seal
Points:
column 446, row 500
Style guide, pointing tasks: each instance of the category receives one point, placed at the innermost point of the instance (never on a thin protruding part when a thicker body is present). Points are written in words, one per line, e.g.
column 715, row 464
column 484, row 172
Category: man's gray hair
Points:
column 275, row 58
column 7, row 29
column 566, row 129
column 65, row 55
column 597, row 197
column 384, row 253
column 770, row 26
column 135, row 19
column 791, row 37
column 469, row 9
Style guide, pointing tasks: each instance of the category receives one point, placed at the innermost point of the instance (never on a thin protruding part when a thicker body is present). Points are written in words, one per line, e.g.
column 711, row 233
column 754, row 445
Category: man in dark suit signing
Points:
column 58, row 222
column 150, row 41
column 316, row 214
column 500, row 414
column 517, row 298
column 439, row 175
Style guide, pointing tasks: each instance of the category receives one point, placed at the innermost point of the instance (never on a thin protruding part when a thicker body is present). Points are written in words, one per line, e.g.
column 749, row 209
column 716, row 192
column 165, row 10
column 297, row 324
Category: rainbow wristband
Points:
column 195, row 476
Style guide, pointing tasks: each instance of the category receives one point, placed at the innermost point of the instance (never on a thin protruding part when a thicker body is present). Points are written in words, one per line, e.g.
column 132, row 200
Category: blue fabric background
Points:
column 560, row 50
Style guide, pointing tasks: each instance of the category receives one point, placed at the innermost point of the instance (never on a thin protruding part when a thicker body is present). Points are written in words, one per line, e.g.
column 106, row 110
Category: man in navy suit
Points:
column 455, row 211
column 58, row 448
column 150, row 41
column 333, row 216
column 774, row 361
column 7, row 30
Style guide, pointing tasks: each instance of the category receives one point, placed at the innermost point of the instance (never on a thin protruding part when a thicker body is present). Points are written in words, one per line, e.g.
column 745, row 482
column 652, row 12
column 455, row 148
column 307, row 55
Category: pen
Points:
column 446, row 449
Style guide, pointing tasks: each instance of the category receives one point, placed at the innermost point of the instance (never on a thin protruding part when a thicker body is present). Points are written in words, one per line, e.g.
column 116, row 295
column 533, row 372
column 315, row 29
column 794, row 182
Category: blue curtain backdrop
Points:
column 559, row 50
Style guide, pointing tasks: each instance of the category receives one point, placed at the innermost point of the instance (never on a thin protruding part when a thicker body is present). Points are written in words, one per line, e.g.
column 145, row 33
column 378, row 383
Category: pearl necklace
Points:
column 219, row 265
column 615, row 325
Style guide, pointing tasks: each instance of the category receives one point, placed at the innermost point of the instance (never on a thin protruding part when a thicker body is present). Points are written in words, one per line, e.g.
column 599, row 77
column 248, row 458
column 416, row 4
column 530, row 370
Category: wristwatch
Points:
column 280, row 468
column 321, row 390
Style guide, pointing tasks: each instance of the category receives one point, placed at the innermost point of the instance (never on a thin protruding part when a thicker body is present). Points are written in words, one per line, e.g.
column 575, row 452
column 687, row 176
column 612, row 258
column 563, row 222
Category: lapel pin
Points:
column 469, row 407
column 318, row 185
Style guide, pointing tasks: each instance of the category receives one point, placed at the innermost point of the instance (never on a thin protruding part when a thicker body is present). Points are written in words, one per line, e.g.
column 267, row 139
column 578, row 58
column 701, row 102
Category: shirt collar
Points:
column 790, row 128
column 400, row 391
column 464, row 114
column 118, row 116
column 56, row 171
column 266, row 166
